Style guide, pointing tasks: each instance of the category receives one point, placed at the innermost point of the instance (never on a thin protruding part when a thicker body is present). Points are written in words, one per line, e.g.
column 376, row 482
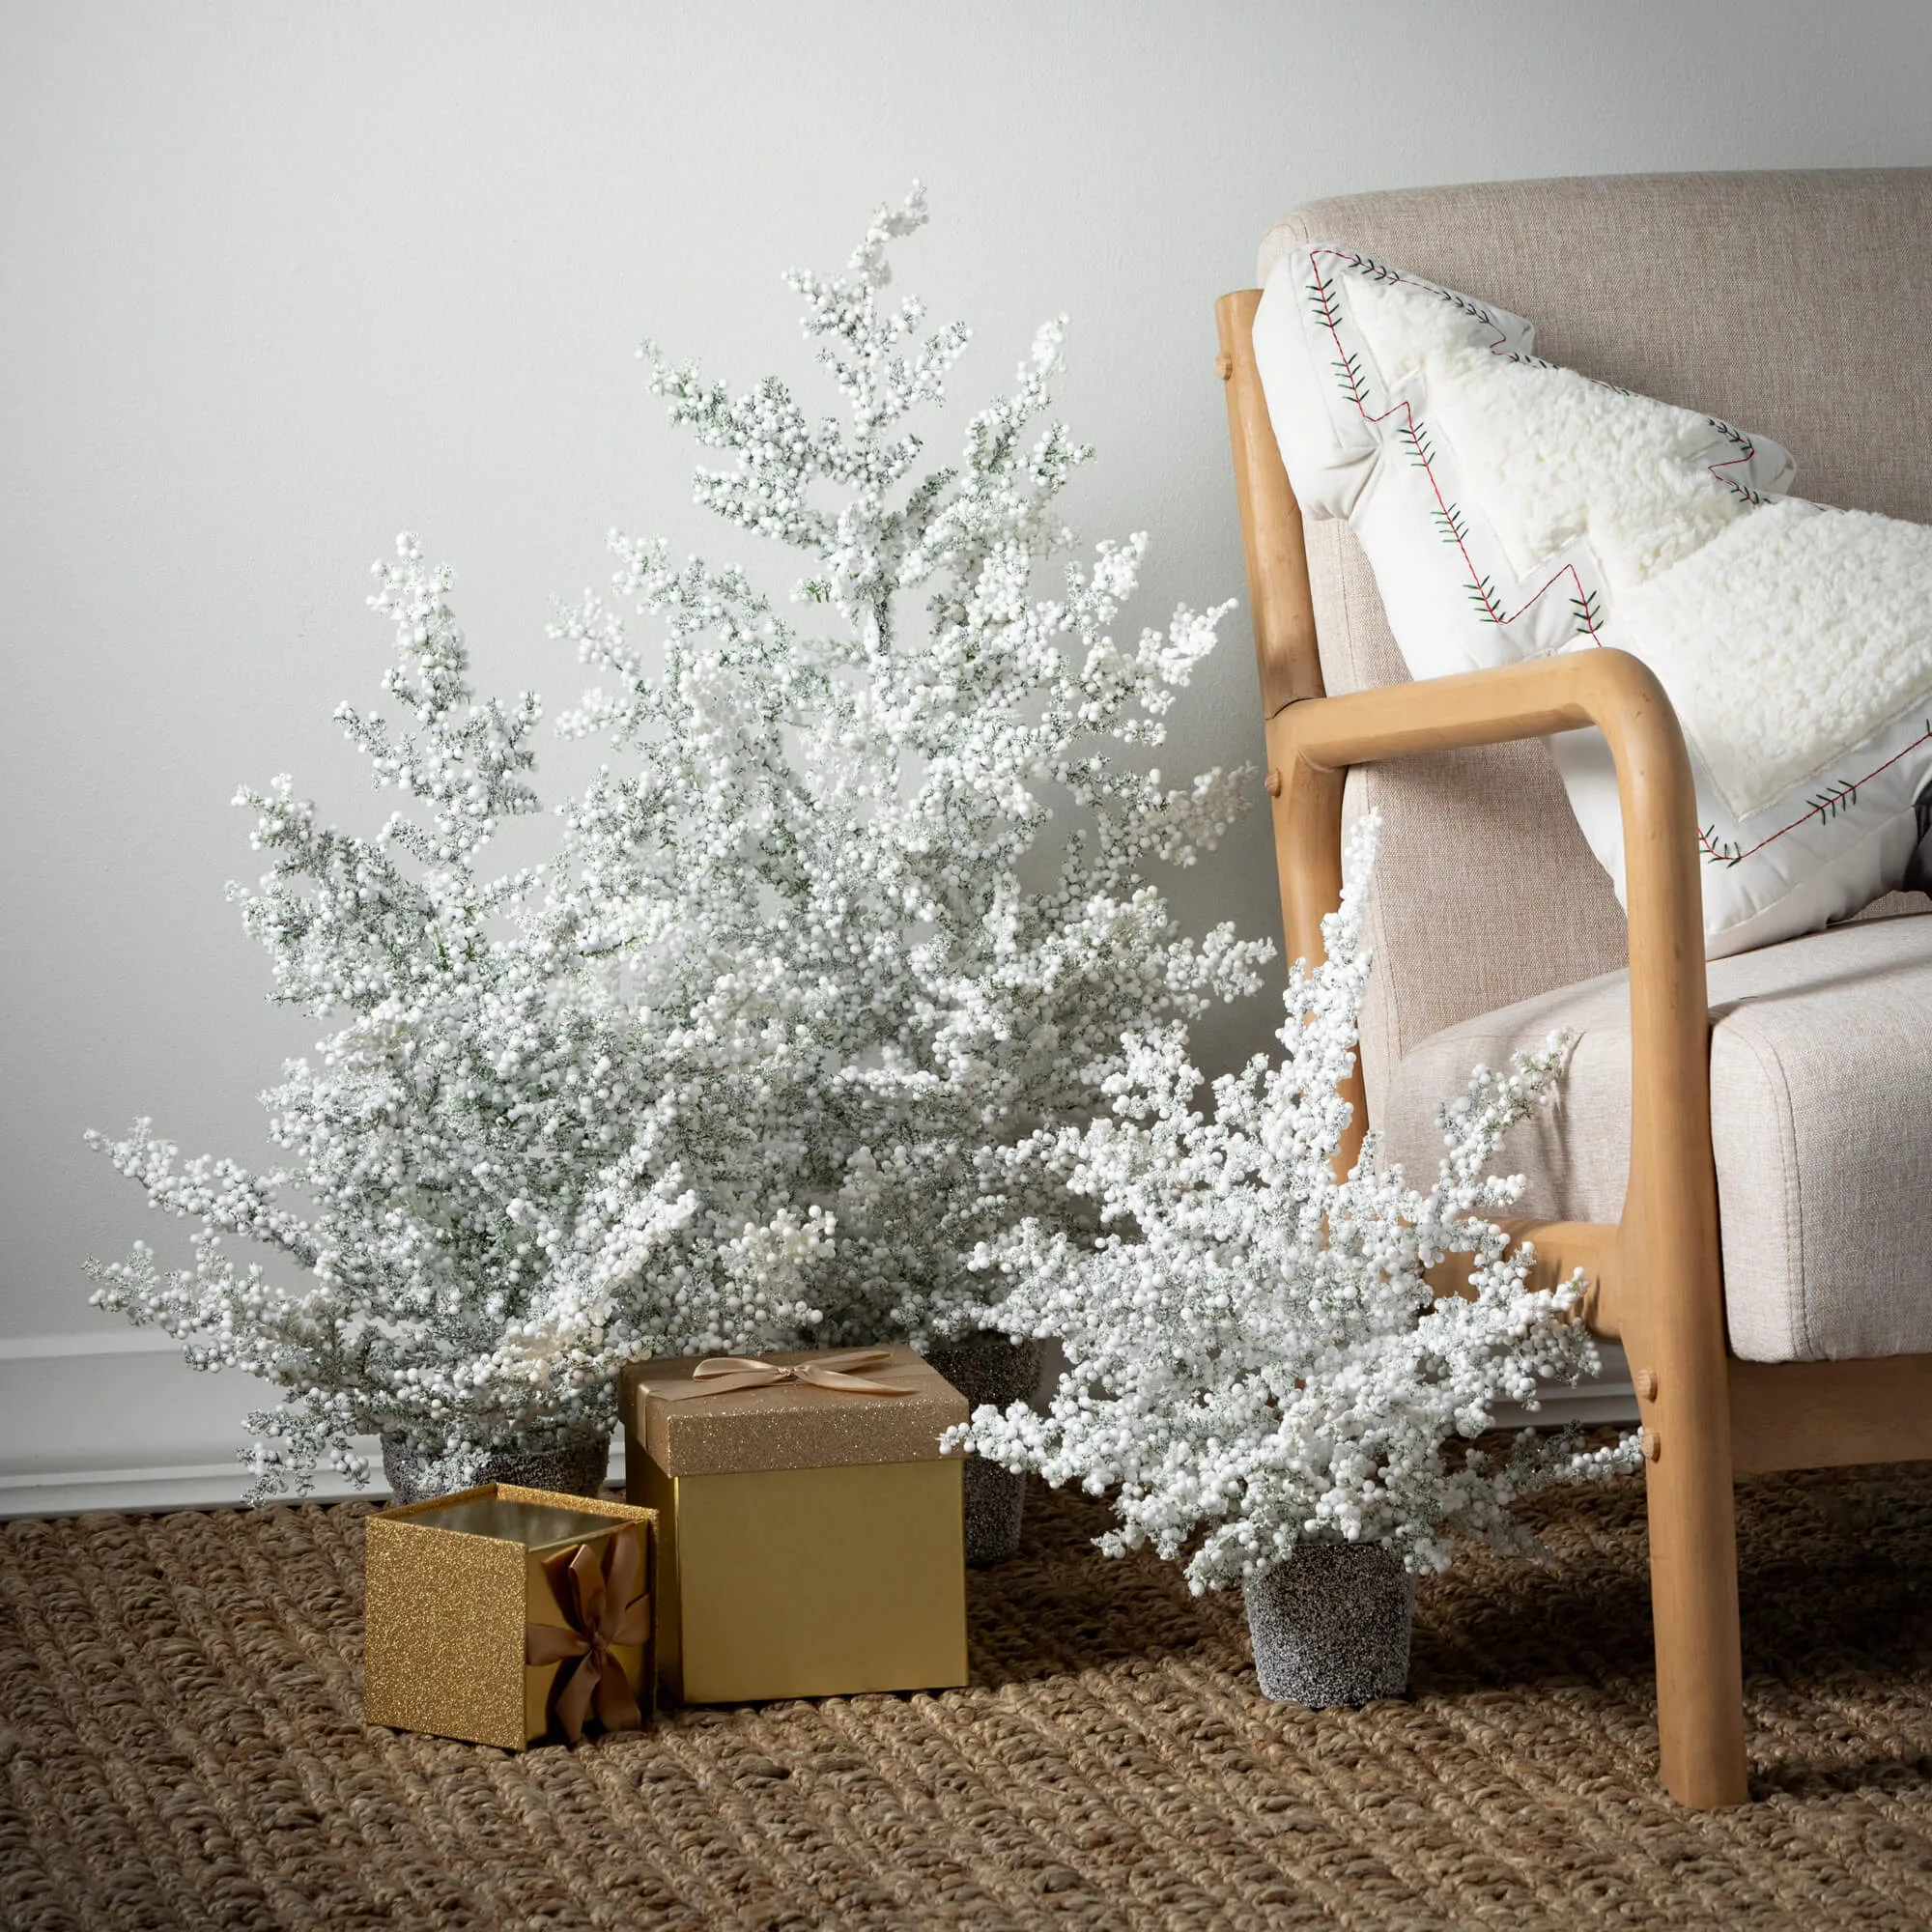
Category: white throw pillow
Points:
column 1513, row 509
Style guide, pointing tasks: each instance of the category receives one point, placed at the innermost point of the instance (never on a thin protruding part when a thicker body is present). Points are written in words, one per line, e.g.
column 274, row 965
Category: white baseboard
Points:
column 150, row 1491
column 116, row 1420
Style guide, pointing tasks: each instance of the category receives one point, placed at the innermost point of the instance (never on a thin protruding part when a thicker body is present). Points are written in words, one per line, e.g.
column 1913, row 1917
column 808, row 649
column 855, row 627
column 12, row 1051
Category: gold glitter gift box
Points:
column 503, row 1614
column 811, row 1537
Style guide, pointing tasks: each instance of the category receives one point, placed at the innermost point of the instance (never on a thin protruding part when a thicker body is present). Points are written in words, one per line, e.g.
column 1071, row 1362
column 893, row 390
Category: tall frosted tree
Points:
column 894, row 803
column 862, row 897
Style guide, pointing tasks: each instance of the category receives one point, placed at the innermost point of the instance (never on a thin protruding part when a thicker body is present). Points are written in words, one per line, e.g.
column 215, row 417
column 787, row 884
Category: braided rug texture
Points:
column 181, row 1744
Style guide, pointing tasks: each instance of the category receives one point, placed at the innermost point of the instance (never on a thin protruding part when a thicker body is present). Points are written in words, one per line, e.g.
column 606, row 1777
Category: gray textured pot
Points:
column 574, row 1469
column 1331, row 1625
column 985, row 1366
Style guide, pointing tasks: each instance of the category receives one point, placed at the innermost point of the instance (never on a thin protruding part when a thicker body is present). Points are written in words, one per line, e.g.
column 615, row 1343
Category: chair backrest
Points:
column 1792, row 303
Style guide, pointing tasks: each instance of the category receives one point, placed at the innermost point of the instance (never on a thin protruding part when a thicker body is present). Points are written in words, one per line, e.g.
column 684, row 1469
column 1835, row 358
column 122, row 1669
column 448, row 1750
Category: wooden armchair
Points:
column 1769, row 1273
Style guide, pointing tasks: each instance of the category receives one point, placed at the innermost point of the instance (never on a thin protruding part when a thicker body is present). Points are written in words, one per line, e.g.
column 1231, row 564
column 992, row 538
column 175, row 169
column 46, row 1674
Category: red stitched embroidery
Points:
column 1840, row 795
column 1481, row 587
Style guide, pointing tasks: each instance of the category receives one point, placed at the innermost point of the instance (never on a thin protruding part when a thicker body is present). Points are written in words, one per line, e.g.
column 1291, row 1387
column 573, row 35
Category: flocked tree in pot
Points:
column 499, row 1181
column 860, row 903
column 1258, row 1372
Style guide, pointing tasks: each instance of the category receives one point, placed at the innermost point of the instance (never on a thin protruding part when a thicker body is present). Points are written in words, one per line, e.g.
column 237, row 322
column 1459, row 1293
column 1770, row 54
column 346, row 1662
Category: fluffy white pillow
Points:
column 1511, row 509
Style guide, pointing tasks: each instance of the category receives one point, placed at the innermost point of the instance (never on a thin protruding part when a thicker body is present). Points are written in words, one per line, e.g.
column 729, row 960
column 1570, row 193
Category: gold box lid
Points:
column 789, row 1425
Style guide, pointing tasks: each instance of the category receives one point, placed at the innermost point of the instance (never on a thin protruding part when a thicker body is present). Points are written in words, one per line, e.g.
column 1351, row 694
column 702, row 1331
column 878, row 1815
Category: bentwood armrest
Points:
column 1313, row 741
column 1658, row 1268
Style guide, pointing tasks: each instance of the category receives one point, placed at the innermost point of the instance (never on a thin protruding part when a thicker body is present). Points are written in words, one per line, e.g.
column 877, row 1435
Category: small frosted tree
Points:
column 1255, row 1356
column 861, row 900
column 512, row 1185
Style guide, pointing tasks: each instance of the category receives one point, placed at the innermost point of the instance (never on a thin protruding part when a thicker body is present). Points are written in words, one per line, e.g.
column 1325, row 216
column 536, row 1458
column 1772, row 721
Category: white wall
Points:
column 279, row 281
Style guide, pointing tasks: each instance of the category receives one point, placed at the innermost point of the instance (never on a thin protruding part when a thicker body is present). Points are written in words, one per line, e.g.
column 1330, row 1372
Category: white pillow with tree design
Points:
column 1513, row 509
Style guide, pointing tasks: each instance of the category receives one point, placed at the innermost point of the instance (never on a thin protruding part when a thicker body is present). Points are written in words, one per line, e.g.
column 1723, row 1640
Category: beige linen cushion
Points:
column 1732, row 292
column 1820, row 1125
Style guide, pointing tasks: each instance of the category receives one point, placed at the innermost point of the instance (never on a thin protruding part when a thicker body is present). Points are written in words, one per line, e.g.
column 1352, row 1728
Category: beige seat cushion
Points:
column 1821, row 1124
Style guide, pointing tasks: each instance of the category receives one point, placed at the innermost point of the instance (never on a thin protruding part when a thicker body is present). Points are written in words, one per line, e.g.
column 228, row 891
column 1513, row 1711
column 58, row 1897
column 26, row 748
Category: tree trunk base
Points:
column 576, row 1469
column 987, row 1368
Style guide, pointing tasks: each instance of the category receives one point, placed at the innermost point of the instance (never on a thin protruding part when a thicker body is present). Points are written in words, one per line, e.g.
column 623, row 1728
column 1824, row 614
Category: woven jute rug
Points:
column 181, row 1744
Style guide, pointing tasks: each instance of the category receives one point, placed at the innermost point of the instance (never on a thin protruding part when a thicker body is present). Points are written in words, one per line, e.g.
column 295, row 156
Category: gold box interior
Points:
column 542, row 1526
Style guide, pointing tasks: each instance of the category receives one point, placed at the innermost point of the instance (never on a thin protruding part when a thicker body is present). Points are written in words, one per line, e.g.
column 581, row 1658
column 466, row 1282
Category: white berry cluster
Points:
column 1255, row 1356
column 857, row 904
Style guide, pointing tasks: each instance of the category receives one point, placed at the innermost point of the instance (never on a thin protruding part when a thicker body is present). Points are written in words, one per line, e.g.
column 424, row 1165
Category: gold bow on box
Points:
column 606, row 1606
column 720, row 1375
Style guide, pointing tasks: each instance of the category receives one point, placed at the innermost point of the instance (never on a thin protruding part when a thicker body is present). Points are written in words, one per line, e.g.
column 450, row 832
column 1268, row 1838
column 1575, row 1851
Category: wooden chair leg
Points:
column 1683, row 1390
column 1693, row 1595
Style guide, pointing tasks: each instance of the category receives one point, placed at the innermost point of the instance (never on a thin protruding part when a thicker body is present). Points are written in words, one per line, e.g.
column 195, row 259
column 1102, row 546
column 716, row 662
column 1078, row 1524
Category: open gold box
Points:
column 455, row 1587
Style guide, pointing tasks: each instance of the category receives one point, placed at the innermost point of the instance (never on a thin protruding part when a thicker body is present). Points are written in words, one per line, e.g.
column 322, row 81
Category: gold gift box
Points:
column 812, row 1539
column 452, row 1584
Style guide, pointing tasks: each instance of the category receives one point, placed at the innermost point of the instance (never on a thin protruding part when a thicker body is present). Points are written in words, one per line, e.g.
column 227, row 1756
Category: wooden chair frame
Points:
column 1656, row 1274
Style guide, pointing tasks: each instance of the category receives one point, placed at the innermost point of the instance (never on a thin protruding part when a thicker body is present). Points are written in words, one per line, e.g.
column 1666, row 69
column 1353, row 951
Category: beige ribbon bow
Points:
column 720, row 1375
column 605, row 1607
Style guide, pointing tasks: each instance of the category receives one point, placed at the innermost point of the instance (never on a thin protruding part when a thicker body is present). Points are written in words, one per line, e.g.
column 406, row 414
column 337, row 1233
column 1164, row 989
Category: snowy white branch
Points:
column 1255, row 1356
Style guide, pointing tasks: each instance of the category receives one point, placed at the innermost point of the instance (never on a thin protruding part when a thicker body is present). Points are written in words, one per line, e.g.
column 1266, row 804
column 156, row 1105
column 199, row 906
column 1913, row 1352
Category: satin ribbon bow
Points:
column 719, row 1375
column 605, row 1607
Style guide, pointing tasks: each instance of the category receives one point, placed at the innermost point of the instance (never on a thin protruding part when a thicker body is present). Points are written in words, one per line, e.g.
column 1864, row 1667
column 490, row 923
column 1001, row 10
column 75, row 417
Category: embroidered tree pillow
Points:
column 1513, row 509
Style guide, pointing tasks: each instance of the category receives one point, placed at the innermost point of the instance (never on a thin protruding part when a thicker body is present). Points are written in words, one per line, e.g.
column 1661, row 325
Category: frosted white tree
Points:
column 514, row 1181
column 861, row 900
column 1255, row 1356
column 906, row 816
